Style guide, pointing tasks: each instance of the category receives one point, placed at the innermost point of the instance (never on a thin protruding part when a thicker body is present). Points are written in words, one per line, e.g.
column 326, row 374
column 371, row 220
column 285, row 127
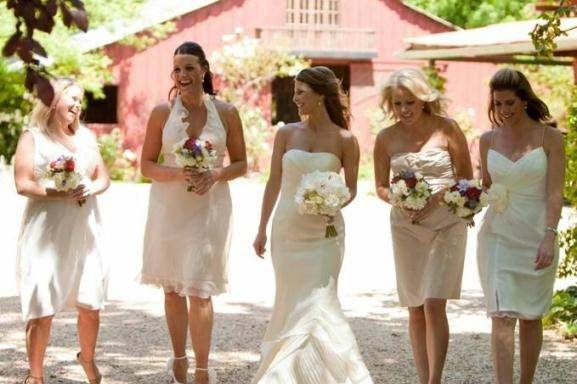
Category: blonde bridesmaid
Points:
column 429, row 245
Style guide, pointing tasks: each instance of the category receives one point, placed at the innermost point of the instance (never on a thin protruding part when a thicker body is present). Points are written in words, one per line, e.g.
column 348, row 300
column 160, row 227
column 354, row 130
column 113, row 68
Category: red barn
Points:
column 358, row 39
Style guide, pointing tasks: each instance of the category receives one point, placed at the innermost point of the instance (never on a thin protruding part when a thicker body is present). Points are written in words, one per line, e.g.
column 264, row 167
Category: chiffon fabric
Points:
column 429, row 256
column 187, row 236
column 308, row 339
column 60, row 260
column 509, row 239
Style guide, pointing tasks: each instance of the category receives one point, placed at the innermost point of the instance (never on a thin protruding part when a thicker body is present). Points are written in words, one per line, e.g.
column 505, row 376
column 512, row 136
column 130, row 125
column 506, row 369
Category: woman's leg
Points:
column 201, row 318
column 418, row 337
column 88, row 325
column 177, row 321
column 503, row 348
column 437, row 337
column 37, row 338
column 531, row 337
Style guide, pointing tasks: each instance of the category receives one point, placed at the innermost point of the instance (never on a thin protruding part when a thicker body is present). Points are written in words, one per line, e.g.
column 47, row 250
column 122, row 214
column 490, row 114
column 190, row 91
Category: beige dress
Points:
column 510, row 236
column 308, row 339
column 429, row 256
column 187, row 236
column 60, row 261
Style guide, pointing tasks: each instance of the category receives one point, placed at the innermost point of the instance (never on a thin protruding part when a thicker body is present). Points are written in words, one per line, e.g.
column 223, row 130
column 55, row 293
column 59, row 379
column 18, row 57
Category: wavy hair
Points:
column 415, row 82
column 324, row 82
column 507, row 79
column 42, row 115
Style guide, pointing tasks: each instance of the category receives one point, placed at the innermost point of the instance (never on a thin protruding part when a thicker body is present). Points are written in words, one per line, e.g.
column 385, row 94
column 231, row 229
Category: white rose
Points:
column 498, row 196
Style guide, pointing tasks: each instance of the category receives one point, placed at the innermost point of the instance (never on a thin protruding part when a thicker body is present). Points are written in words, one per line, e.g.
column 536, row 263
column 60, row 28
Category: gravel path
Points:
column 134, row 345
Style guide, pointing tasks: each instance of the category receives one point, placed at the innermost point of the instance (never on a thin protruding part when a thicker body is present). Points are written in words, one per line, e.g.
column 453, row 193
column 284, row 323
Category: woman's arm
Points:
column 484, row 144
column 459, row 150
column 272, row 188
column 236, row 152
column 351, row 157
column 382, row 167
column 555, row 181
column 26, row 183
column 151, row 148
column 100, row 178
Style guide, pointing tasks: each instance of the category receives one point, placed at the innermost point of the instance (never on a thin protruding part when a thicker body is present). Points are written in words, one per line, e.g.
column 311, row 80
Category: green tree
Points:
column 475, row 13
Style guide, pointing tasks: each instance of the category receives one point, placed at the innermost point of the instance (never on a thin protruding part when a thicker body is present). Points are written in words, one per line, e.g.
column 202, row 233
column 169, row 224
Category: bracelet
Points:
column 551, row 229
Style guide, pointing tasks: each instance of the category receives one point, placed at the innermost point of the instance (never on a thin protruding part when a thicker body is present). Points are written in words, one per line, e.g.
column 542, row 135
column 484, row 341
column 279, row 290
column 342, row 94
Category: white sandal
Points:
column 212, row 377
column 170, row 368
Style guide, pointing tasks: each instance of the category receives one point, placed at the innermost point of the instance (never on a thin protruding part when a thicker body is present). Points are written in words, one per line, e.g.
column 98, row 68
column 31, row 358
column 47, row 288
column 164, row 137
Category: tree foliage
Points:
column 475, row 13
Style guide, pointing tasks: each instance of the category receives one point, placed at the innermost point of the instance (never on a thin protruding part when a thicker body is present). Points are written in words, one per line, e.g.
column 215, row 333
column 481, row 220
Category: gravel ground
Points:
column 133, row 343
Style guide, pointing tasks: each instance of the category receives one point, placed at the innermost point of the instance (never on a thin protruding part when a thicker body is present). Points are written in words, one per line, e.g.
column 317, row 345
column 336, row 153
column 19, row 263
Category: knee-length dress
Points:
column 510, row 235
column 429, row 256
column 187, row 236
column 60, row 261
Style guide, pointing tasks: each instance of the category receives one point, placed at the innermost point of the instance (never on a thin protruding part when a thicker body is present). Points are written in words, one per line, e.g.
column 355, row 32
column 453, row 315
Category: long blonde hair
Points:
column 42, row 115
column 415, row 82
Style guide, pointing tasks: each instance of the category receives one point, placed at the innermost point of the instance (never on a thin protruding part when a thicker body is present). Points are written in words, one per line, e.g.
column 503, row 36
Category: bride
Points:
column 308, row 339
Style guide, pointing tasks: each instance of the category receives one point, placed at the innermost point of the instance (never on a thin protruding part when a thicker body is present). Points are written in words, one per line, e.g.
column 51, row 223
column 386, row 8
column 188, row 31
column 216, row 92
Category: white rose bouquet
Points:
column 62, row 171
column 322, row 193
column 409, row 190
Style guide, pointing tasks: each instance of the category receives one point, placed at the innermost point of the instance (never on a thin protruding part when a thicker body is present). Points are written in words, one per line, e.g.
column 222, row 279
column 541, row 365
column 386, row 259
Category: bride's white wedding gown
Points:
column 308, row 339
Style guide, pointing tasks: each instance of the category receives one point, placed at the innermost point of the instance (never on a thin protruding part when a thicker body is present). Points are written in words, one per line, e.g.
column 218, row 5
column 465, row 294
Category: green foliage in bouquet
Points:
column 563, row 313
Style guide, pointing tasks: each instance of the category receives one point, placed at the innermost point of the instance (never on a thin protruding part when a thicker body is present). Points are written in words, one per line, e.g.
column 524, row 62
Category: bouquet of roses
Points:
column 409, row 190
column 196, row 154
column 322, row 193
column 466, row 198
column 62, row 171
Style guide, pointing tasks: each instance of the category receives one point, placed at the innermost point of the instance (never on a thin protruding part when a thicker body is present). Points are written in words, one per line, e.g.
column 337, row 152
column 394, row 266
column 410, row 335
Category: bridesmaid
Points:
column 523, row 163
column 60, row 264
column 429, row 255
column 187, row 234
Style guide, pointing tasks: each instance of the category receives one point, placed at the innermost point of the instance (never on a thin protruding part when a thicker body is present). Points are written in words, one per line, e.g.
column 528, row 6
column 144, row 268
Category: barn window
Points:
column 102, row 111
column 313, row 12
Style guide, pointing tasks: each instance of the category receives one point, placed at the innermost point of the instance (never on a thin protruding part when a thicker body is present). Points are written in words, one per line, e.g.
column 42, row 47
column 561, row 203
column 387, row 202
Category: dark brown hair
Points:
column 508, row 79
column 324, row 82
column 192, row 48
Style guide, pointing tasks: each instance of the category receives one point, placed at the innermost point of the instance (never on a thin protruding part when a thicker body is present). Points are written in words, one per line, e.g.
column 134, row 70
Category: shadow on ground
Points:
column 134, row 346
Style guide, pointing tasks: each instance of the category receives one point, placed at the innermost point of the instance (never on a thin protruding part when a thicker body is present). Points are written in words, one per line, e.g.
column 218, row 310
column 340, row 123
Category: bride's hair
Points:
column 42, row 115
column 507, row 79
column 324, row 82
column 415, row 82
column 192, row 48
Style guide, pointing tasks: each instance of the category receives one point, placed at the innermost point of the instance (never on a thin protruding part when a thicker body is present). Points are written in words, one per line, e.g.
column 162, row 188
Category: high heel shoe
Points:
column 84, row 364
column 212, row 376
column 170, row 368
column 29, row 378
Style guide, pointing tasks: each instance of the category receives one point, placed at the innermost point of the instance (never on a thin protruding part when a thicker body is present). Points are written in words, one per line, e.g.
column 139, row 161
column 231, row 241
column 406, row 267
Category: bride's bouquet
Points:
column 62, row 171
column 409, row 190
column 466, row 198
column 324, row 194
column 196, row 154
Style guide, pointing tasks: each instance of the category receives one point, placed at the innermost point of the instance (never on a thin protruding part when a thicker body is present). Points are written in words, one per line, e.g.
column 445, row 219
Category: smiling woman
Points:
column 190, row 205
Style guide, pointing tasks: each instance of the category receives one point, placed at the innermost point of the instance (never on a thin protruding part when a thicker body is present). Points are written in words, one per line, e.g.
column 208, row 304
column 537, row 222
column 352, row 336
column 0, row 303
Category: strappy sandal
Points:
column 84, row 364
column 29, row 377
column 170, row 368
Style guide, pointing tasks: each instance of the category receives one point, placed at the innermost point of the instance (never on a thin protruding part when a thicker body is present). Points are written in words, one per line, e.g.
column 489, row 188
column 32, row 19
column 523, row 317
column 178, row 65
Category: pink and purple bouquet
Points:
column 62, row 171
column 196, row 154
column 409, row 190
column 466, row 198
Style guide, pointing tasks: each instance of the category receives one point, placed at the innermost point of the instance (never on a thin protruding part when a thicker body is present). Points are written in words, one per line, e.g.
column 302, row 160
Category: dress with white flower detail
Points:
column 60, row 262
column 187, row 236
column 509, row 237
